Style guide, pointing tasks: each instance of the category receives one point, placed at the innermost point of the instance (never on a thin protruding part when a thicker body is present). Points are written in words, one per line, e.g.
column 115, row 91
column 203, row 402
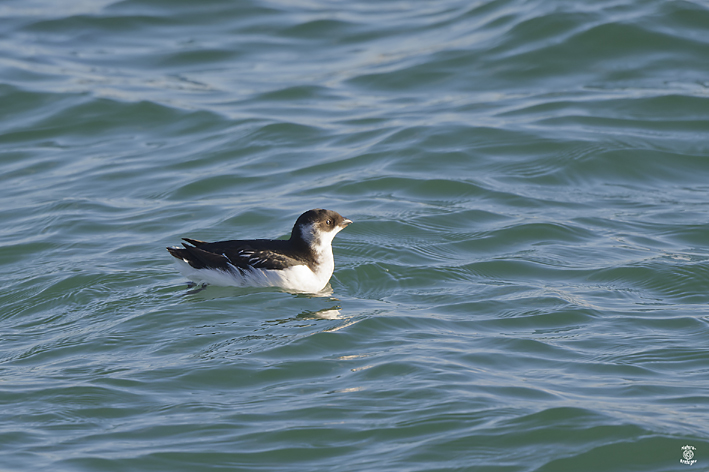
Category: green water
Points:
column 524, row 287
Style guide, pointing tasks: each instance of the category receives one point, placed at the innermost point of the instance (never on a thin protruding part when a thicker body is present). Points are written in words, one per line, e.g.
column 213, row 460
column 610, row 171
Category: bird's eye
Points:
column 328, row 222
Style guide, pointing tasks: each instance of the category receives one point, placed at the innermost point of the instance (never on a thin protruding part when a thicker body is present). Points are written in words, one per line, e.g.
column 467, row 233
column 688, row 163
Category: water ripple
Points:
column 524, row 282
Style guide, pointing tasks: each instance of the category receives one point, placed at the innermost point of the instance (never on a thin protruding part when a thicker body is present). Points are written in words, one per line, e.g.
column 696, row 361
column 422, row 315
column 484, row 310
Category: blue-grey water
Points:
column 525, row 286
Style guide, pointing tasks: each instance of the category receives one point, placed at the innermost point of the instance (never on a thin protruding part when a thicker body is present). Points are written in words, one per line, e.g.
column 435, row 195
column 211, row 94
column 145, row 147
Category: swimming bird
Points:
column 303, row 263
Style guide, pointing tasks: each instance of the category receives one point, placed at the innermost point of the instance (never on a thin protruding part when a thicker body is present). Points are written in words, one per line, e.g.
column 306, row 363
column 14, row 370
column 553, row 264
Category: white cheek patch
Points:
column 307, row 232
column 320, row 241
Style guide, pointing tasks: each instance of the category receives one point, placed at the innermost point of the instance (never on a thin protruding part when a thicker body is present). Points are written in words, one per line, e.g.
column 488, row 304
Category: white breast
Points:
column 297, row 278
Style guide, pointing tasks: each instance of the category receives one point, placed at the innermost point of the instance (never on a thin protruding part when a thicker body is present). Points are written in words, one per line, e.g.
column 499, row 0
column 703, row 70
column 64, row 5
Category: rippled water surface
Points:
column 524, row 287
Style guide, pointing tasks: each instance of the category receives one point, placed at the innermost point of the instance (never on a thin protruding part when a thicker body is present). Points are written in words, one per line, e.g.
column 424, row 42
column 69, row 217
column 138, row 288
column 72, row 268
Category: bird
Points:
column 303, row 263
